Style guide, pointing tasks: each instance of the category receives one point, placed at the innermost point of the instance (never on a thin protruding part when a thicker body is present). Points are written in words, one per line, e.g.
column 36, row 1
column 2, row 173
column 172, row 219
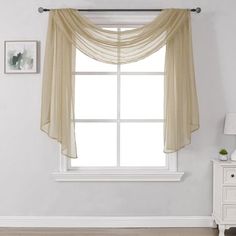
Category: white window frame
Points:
column 170, row 172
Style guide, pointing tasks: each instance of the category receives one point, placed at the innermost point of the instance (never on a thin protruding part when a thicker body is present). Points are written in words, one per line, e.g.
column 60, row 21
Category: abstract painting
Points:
column 21, row 57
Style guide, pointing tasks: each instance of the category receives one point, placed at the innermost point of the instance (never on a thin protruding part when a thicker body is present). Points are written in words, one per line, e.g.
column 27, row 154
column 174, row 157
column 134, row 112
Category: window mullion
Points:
column 118, row 109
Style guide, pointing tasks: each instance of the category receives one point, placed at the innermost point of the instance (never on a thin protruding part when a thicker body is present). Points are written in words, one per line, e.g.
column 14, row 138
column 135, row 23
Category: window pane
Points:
column 96, row 144
column 85, row 63
column 95, row 97
column 142, row 97
column 153, row 63
column 142, row 144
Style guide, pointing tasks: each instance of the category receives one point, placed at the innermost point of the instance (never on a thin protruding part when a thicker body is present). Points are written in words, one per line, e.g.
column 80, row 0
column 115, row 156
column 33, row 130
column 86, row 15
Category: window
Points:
column 119, row 121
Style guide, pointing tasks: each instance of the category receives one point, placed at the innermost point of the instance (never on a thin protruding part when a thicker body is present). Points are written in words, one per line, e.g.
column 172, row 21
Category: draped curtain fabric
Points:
column 68, row 29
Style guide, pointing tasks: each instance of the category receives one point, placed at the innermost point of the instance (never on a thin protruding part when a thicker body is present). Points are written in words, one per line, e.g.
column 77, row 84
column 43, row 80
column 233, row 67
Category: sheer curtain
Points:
column 68, row 29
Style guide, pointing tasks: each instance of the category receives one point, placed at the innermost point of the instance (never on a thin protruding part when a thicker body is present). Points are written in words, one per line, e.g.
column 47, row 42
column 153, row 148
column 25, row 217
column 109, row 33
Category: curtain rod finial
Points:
column 40, row 10
column 198, row 9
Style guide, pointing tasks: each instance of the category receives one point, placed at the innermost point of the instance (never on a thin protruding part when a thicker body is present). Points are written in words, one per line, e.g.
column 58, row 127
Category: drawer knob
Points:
column 232, row 175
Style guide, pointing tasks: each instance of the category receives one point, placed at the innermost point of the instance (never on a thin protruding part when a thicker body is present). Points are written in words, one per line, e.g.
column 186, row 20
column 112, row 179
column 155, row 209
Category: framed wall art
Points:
column 21, row 57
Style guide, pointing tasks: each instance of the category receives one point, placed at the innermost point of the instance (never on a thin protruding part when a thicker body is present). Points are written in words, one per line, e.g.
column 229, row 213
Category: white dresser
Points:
column 224, row 194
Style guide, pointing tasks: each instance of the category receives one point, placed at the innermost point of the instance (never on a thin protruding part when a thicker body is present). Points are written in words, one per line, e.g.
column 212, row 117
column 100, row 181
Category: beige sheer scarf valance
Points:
column 68, row 29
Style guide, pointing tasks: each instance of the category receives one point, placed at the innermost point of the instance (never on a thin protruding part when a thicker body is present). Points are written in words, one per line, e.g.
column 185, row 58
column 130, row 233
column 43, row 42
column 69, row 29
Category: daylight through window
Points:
column 119, row 112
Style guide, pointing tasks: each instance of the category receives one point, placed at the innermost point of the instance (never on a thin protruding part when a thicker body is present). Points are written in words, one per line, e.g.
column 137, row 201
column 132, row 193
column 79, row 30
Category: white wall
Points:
column 28, row 156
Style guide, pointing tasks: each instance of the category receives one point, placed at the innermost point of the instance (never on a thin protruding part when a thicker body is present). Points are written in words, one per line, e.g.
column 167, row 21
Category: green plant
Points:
column 223, row 152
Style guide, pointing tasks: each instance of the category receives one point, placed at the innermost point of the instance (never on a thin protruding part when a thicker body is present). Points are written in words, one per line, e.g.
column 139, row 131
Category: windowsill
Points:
column 126, row 175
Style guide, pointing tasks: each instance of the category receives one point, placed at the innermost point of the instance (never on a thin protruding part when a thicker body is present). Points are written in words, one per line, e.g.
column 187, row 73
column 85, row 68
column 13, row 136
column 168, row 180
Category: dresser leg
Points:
column 221, row 230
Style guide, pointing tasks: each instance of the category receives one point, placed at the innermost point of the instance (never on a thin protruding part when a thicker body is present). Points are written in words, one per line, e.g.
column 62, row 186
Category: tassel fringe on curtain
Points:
column 67, row 30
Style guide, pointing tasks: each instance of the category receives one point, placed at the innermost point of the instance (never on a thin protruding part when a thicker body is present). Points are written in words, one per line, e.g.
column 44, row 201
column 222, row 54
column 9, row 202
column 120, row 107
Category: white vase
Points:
column 223, row 157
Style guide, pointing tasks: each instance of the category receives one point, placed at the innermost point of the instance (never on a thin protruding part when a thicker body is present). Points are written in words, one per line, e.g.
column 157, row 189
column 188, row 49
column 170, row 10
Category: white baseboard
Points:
column 107, row 222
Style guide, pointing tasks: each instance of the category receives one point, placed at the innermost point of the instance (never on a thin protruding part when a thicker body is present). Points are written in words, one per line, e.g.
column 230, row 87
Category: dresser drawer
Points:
column 229, row 195
column 230, row 175
column 229, row 212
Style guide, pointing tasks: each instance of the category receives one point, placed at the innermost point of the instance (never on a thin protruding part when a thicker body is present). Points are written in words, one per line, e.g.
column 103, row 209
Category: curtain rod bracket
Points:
column 41, row 10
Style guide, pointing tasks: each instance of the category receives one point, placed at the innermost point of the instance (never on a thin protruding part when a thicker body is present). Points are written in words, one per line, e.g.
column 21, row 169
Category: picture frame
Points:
column 21, row 57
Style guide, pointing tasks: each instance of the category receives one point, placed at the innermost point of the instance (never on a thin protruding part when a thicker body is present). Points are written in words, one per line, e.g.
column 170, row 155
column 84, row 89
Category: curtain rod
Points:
column 41, row 10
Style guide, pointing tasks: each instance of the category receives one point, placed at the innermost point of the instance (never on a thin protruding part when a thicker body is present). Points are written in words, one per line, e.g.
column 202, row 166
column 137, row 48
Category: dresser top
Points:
column 225, row 163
